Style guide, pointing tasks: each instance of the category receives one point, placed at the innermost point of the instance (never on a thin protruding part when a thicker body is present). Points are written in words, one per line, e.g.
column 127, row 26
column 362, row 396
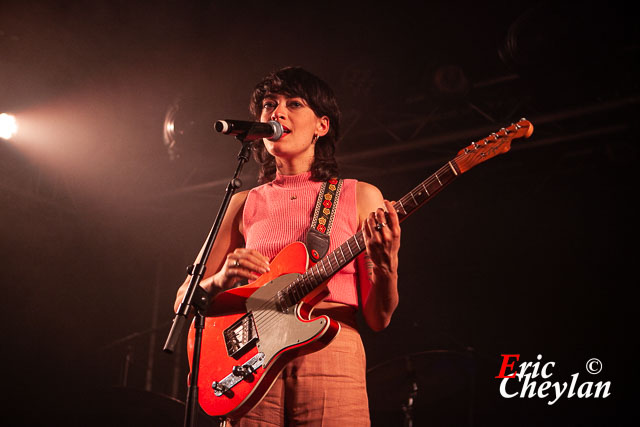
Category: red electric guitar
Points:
column 252, row 331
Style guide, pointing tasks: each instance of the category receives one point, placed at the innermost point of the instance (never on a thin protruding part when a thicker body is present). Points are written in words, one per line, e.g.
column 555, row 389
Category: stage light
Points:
column 188, row 128
column 8, row 126
column 169, row 133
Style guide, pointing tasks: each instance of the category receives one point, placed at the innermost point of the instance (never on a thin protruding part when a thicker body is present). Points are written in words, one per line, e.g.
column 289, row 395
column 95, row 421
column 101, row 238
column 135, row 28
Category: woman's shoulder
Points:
column 368, row 199
column 365, row 191
column 236, row 204
column 240, row 196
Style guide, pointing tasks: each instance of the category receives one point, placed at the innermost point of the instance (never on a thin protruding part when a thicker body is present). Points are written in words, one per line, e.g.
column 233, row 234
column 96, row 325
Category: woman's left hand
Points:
column 382, row 237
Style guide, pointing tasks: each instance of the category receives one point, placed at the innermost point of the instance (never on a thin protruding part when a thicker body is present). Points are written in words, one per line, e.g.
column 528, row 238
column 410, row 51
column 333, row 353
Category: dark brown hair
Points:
column 297, row 82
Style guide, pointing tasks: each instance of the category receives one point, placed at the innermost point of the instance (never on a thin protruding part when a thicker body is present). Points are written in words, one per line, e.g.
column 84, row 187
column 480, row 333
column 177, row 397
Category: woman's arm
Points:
column 381, row 257
column 228, row 261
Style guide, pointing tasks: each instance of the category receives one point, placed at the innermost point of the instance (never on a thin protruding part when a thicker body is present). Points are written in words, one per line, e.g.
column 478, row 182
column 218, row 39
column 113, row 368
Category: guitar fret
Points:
column 319, row 273
column 331, row 268
column 359, row 248
column 349, row 246
column 425, row 189
column 285, row 298
column 342, row 252
column 336, row 258
column 312, row 283
column 313, row 276
column 414, row 199
column 326, row 263
column 404, row 211
column 292, row 297
column 308, row 287
column 360, row 240
column 434, row 190
column 292, row 291
column 325, row 270
column 436, row 175
column 297, row 293
column 288, row 293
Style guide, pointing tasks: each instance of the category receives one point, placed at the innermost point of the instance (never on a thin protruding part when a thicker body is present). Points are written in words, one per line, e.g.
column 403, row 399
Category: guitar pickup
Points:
column 240, row 373
column 240, row 336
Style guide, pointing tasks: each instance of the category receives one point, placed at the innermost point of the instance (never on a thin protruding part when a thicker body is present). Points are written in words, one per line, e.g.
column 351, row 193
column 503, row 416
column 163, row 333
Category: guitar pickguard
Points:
column 279, row 328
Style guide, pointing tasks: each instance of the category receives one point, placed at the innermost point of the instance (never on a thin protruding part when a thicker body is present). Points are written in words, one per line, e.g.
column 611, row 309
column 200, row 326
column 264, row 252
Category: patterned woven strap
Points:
column 323, row 214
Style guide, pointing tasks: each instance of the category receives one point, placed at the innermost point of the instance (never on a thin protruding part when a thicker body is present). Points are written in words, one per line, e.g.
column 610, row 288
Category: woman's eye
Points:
column 295, row 104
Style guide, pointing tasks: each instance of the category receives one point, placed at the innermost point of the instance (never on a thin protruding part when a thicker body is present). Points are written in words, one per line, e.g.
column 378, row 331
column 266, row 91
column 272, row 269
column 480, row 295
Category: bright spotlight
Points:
column 169, row 134
column 188, row 128
column 8, row 126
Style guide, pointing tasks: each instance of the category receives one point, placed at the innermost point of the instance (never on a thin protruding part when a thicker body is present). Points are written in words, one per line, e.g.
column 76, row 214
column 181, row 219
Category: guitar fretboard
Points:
column 354, row 246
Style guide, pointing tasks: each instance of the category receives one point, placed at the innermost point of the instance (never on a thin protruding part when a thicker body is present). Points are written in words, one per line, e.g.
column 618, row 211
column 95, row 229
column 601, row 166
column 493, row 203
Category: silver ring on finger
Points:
column 236, row 263
column 380, row 226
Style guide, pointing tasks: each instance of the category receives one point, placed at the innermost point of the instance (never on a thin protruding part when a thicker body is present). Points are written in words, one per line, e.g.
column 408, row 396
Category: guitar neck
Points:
column 354, row 246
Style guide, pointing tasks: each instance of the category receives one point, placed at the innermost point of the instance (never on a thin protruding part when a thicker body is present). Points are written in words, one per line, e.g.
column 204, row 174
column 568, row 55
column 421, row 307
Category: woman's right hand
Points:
column 239, row 265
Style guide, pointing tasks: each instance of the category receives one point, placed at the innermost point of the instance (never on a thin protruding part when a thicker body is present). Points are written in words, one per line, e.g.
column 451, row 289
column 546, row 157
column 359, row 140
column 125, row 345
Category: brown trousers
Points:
column 326, row 388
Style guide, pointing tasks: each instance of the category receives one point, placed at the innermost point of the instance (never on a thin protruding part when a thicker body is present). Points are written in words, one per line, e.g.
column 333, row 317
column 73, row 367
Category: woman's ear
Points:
column 323, row 125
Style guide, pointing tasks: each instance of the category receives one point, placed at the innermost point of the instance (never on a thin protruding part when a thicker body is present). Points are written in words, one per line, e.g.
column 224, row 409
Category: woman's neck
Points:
column 293, row 166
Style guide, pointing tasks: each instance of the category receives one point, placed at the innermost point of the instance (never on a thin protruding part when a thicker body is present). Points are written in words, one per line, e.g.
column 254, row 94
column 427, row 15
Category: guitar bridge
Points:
column 240, row 336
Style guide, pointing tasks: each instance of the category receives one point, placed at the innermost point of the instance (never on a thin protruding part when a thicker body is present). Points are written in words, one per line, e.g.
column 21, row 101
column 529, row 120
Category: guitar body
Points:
column 249, row 337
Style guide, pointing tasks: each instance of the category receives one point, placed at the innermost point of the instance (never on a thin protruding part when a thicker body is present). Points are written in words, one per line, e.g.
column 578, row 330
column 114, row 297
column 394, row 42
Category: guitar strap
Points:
column 323, row 214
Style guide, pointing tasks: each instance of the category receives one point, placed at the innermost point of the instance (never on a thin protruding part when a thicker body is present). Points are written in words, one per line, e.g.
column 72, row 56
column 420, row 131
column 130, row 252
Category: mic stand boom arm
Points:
column 196, row 297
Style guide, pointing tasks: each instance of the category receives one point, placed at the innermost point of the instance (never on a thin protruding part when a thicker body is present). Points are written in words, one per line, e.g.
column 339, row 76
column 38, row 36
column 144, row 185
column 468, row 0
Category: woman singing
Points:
column 326, row 387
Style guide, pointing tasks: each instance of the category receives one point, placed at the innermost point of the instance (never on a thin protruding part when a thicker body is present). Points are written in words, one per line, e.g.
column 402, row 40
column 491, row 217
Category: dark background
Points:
column 531, row 253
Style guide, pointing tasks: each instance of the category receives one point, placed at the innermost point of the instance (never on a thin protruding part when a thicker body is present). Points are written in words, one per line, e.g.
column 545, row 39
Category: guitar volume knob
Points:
column 219, row 389
column 242, row 371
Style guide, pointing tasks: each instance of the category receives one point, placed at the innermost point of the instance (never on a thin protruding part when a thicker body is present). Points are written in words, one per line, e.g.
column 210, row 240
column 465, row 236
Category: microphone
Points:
column 250, row 130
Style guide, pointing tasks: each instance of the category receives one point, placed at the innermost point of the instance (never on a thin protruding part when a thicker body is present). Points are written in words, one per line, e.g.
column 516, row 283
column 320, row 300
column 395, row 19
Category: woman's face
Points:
column 299, row 122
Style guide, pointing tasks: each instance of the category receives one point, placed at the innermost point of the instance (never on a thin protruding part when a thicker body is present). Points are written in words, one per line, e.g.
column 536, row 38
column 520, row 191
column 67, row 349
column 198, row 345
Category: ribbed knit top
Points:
column 280, row 212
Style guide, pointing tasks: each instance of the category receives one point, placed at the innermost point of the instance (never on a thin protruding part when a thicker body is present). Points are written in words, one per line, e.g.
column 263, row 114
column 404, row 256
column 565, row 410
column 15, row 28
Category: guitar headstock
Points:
column 493, row 145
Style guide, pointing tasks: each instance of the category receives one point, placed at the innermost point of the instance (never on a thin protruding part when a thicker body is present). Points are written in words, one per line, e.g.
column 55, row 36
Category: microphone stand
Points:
column 407, row 408
column 197, row 297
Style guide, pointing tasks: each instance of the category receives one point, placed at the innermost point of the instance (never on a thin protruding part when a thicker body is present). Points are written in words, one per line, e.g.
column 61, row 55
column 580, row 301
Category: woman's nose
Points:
column 278, row 112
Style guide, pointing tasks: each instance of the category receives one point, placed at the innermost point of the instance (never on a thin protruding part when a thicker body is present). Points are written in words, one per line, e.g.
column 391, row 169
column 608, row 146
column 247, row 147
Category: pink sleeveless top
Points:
column 280, row 212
